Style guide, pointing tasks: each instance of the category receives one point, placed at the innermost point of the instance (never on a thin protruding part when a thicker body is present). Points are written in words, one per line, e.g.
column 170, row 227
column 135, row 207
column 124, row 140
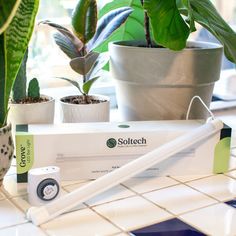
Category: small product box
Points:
column 90, row 150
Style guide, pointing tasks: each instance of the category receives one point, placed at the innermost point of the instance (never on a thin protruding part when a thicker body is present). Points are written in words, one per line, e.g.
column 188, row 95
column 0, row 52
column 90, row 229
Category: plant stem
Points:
column 147, row 28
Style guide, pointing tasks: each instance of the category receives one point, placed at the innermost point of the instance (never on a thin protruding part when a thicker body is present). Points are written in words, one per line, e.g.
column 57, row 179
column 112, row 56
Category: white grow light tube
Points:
column 40, row 215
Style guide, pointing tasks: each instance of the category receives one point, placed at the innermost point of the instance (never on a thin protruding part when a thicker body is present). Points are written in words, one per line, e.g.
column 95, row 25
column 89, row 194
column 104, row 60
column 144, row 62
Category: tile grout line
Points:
column 187, row 185
column 105, row 218
column 153, row 203
column 172, row 214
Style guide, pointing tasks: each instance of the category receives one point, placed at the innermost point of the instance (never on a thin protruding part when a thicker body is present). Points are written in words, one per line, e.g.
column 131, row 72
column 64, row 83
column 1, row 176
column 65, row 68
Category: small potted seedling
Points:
column 27, row 105
column 79, row 45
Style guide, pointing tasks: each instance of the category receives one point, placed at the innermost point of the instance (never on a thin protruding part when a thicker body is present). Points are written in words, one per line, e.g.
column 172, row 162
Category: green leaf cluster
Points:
column 88, row 33
column 172, row 21
column 16, row 26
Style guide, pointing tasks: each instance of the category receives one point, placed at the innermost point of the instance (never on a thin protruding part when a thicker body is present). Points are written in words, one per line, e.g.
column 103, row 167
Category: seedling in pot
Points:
column 20, row 93
column 88, row 33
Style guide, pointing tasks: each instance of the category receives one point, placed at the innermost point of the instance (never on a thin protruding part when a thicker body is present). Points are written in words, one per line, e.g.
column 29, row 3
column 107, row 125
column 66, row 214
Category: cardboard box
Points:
column 89, row 150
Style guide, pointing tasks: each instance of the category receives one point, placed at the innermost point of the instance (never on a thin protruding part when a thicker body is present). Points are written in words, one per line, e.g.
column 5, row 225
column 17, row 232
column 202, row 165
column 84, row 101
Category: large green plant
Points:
column 171, row 22
column 88, row 33
column 16, row 26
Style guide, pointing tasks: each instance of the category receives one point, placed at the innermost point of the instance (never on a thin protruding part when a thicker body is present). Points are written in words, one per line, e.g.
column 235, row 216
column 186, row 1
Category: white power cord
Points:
column 203, row 103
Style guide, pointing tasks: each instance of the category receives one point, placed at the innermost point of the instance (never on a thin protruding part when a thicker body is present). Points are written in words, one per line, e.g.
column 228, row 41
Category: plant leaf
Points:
column 33, row 89
column 87, row 85
column 108, row 24
column 84, row 19
column 68, row 35
column 73, row 82
column 132, row 29
column 169, row 28
column 66, row 45
column 14, row 42
column 7, row 12
column 101, row 61
column 19, row 87
column 205, row 14
column 83, row 65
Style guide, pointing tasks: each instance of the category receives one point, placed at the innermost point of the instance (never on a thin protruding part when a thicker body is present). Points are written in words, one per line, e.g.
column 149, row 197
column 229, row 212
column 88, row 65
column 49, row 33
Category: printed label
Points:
column 24, row 152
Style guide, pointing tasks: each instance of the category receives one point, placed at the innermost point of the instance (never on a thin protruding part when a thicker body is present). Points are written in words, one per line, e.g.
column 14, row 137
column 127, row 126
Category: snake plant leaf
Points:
column 83, row 65
column 87, row 85
column 84, row 19
column 108, row 24
column 19, row 87
column 101, row 61
column 168, row 27
column 73, row 82
column 132, row 29
column 66, row 45
column 69, row 37
column 7, row 12
column 34, row 89
column 14, row 42
column 205, row 14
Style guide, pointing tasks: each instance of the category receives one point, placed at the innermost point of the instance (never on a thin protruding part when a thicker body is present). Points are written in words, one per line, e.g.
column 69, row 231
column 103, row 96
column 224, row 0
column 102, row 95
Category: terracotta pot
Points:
column 6, row 150
column 75, row 113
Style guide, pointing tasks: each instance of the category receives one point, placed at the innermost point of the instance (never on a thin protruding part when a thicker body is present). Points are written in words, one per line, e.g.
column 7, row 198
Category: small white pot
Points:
column 34, row 113
column 75, row 113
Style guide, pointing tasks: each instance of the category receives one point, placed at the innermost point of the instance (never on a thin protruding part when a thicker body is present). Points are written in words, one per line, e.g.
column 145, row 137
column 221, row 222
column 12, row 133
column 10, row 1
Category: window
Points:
column 46, row 61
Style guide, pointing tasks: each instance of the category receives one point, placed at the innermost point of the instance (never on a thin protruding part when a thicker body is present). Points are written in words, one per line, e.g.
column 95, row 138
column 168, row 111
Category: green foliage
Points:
column 204, row 12
column 171, row 23
column 132, row 28
column 7, row 12
column 88, row 33
column 19, row 87
column 169, row 28
column 33, row 89
column 84, row 19
column 13, row 44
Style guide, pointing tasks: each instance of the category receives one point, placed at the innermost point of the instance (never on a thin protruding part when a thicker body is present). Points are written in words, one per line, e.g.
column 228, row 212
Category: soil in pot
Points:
column 82, row 100
column 29, row 100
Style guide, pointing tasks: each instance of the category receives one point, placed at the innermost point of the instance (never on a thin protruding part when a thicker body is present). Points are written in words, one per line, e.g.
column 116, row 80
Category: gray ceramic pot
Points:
column 6, row 150
column 158, row 84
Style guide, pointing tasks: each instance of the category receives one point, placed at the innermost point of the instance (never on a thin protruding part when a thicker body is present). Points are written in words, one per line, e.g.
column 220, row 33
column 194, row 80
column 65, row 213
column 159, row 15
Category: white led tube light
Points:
column 40, row 215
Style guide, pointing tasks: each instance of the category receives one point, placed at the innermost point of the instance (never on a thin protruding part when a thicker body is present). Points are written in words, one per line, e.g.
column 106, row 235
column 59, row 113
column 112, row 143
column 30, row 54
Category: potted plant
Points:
column 157, row 77
column 78, row 45
column 14, row 39
column 27, row 105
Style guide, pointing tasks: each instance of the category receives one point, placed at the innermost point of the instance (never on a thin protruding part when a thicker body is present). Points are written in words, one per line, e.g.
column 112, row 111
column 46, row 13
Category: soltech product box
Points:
column 89, row 150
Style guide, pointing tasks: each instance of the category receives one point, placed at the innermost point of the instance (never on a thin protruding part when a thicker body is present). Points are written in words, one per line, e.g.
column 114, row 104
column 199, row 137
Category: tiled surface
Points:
column 142, row 185
column 2, row 196
column 112, row 194
column 173, row 226
column 132, row 212
column 202, row 205
column 220, row 187
column 10, row 215
column 217, row 220
column 179, row 199
column 232, row 174
column 26, row 229
column 82, row 222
